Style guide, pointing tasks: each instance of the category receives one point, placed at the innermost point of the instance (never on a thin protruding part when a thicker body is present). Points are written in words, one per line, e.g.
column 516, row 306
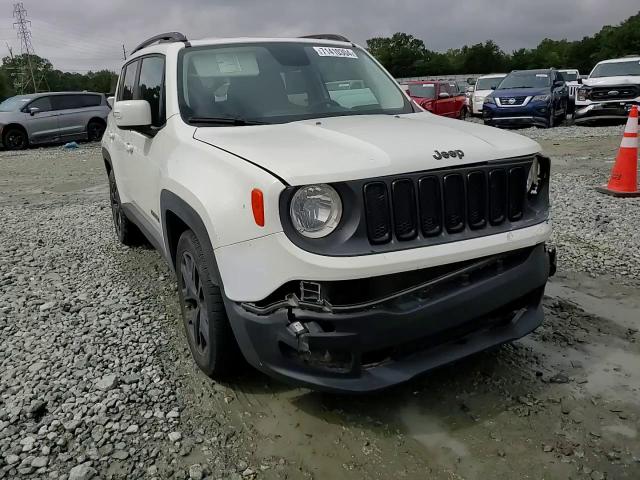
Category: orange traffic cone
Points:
column 624, row 176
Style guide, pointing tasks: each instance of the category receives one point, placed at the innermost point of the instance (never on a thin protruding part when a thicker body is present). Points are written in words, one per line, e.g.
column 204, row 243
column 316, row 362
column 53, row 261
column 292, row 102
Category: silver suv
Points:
column 52, row 117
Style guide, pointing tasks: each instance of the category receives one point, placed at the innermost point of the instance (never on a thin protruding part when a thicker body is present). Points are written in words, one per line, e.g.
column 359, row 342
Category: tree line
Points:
column 18, row 73
column 406, row 56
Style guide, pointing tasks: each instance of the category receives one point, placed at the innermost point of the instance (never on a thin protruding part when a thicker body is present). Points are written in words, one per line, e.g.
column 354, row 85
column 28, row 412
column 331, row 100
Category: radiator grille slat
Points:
column 376, row 200
column 454, row 202
column 497, row 196
column 517, row 187
column 476, row 200
column 430, row 206
column 404, row 209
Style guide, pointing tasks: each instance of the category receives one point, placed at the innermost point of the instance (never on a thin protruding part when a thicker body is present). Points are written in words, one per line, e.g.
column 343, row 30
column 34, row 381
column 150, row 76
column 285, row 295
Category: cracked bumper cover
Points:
column 420, row 333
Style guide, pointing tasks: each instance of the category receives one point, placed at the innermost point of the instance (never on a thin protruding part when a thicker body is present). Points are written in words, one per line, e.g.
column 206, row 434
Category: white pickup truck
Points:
column 609, row 91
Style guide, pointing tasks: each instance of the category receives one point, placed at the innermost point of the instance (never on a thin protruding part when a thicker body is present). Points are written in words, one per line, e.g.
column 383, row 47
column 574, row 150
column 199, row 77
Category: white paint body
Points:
column 203, row 166
column 609, row 81
column 478, row 96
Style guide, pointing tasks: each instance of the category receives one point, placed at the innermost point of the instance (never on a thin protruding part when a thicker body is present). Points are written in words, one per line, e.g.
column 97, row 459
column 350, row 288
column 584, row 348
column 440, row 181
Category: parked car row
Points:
column 544, row 97
column 52, row 117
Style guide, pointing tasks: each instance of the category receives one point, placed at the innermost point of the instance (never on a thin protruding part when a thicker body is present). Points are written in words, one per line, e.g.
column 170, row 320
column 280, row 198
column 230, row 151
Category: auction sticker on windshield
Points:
column 335, row 52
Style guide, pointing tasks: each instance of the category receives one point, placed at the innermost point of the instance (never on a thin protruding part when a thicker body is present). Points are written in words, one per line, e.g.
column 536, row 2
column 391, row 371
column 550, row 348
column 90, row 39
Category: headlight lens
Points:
column 316, row 210
column 533, row 180
column 582, row 94
column 489, row 100
column 541, row 98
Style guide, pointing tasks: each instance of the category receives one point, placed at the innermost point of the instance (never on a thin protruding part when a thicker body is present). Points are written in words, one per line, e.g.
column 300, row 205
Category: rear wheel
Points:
column 95, row 130
column 15, row 139
column 211, row 341
column 126, row 231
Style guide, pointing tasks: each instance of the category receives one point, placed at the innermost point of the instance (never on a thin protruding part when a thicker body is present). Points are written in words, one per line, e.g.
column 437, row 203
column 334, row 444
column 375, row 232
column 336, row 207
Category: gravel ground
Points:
column 96, row 380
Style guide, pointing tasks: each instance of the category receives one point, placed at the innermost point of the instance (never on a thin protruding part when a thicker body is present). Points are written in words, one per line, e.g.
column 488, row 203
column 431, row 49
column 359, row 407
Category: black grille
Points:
column 446, row 202
column 506, row 101
column 376, row 199
column 622, row 92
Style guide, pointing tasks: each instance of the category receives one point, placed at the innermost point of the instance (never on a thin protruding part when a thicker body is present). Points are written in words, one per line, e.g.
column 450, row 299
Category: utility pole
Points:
column 124, row 52
column 26, row 47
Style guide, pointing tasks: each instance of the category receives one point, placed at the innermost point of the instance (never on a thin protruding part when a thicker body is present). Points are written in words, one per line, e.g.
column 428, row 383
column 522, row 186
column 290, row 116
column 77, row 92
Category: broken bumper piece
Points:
column 375, row 343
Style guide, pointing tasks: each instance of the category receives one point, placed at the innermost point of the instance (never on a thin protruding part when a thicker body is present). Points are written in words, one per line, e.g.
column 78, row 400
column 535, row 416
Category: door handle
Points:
column 129, row 148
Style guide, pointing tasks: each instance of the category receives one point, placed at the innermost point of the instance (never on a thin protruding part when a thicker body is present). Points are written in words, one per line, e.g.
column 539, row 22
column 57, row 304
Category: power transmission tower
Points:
column 26, row 76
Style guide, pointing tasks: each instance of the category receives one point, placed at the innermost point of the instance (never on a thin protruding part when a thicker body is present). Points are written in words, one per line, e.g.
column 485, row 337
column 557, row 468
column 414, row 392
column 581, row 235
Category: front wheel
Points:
column 211, row 341
column 463, row 113
column 551, row 121
column 15, row 139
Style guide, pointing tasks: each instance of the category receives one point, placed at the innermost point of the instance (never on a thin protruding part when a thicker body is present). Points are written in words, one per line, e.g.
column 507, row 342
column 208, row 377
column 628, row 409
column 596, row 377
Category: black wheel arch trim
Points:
column 108, row 164
column 172, row 203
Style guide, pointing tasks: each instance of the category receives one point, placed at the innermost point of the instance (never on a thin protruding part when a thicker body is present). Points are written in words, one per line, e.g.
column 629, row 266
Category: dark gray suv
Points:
column 52, row 117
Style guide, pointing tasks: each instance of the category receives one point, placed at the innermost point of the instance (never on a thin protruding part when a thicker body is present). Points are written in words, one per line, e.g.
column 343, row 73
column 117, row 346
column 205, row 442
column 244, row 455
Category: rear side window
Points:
column 91, row 100
column 151, row 88
column 128, row 81
column 67, row 102
column 44, row 104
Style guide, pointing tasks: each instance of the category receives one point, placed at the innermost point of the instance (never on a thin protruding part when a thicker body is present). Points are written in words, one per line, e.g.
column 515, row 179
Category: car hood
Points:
column 605, row 81
column 364, row 146
column 520, row 92
column 482, row 93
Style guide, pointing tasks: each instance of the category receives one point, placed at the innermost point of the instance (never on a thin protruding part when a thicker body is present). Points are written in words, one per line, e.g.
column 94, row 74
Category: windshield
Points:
column 569, row 76
column 525, row 80
column 13, row 104
column 488, row 83
column 616, row 69
column 422, row 90
column 284, row 82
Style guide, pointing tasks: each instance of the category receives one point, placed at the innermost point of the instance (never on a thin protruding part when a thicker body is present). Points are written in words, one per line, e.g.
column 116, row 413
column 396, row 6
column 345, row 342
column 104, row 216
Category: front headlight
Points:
column 489, row 100
column 316, row 210
column 541, row 98
column 582, row 94
column 533, row 180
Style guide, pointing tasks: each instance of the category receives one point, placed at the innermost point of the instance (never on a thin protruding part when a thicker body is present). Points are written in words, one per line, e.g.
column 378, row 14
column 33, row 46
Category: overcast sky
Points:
column 88, row 34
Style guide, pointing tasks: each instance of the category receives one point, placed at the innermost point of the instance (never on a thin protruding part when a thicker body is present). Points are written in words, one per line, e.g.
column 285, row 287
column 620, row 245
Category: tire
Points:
column 463, row 113
column 95, row 130
column 552, row 118
column 209, row 335
column 126, row 231
column 15, row 138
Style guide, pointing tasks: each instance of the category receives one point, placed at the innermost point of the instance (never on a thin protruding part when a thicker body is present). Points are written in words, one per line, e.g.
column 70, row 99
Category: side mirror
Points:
column 33, row 110
column 493, row 87
column 444, row 95
column 111, row 101
column 559, row 83
column 580, row 80
column 132, row 114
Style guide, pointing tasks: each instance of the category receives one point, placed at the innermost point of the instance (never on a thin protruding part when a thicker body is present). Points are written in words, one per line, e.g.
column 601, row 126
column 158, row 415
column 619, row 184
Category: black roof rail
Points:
column 168, row 37
column 328, row 36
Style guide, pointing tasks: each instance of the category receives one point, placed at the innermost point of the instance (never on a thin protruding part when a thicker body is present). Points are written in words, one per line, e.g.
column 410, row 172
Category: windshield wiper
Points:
column 238, row 122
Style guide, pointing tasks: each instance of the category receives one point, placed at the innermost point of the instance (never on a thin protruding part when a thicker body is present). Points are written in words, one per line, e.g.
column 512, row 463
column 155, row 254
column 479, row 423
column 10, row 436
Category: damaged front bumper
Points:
column 615, row 110
column 371, row 344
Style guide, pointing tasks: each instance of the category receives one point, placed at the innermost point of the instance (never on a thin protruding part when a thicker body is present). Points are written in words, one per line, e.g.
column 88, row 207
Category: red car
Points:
column 439, row 97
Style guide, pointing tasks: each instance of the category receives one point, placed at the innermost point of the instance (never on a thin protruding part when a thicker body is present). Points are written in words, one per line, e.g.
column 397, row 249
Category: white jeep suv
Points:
column 320, row 224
